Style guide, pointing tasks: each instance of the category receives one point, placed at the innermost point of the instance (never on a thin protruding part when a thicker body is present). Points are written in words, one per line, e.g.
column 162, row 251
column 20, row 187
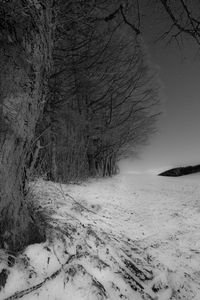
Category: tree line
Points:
column 103, row 94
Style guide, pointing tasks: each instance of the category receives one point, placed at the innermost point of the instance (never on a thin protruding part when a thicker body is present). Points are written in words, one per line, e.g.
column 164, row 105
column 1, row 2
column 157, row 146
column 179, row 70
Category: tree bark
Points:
column 53, row 161
column 25, row 53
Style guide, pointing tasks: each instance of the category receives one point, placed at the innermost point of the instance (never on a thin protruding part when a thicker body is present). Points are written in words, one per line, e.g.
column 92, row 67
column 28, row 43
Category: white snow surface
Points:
column 133, row 237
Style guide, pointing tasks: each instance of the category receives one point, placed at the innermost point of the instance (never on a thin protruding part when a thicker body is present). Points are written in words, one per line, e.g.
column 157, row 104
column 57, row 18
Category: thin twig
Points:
column 21, row 294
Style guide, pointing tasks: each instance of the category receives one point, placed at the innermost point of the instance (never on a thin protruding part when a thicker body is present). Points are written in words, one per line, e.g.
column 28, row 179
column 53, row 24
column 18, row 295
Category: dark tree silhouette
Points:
column 103, row 93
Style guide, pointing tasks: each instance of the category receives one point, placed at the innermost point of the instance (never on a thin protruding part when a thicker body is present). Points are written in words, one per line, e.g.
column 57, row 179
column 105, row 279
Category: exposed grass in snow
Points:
column 128, row 237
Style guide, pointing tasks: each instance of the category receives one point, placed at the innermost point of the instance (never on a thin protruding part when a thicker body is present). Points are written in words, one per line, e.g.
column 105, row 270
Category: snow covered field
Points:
column 133, row 236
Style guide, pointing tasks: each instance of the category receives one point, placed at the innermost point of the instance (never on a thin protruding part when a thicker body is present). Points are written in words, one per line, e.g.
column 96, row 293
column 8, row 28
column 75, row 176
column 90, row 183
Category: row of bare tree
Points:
column 104, row 94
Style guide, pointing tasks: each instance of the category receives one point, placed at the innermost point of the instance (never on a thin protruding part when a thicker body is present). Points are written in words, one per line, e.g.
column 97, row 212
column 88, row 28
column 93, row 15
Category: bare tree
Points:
column 103, row 78
column 184, row 18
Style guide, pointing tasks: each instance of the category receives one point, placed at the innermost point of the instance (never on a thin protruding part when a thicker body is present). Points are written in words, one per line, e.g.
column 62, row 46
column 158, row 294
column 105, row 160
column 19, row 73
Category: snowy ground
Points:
column 134, row 236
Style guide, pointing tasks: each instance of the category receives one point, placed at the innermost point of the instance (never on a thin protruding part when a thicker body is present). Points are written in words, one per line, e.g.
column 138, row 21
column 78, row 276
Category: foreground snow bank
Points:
column 129, row 237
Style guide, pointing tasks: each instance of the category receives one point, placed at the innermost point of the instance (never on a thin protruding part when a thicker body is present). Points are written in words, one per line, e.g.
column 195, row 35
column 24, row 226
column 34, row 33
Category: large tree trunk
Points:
column 25, row 57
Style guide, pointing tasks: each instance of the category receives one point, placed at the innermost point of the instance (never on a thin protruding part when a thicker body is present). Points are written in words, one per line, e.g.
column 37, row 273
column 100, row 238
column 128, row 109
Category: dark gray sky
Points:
column 178, row 140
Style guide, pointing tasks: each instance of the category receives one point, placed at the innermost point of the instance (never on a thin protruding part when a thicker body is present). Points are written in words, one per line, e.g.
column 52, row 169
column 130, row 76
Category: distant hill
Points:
column 180, row 171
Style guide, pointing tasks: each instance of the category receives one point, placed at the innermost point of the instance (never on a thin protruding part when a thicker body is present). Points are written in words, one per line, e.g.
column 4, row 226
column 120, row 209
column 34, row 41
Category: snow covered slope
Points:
column 133, row 236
